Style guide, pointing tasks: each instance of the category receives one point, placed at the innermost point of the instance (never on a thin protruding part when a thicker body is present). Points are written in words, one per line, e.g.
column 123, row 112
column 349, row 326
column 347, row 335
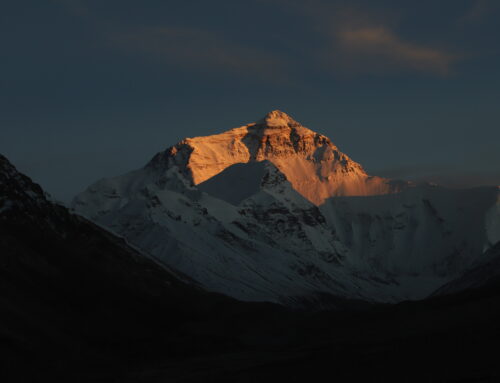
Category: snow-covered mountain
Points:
column 310, row 161
column 272, row 211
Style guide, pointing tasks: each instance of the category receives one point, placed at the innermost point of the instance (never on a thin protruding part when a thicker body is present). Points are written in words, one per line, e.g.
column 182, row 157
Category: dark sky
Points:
column 95, row 88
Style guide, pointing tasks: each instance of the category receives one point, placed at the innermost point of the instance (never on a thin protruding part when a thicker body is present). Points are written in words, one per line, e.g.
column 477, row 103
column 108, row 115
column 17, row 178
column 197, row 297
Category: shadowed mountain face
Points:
column 78, row 304
column 484, row 273
column 75, row 297
column 272, row 211
column 247, row 177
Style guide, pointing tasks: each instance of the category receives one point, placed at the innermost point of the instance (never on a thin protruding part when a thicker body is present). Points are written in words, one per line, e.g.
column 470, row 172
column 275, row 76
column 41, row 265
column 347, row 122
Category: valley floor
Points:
column 441, row 340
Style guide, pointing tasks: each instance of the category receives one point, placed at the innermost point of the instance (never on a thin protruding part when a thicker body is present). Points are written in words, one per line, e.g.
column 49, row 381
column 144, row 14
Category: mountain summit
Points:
column 315, row 167
column 277, row 119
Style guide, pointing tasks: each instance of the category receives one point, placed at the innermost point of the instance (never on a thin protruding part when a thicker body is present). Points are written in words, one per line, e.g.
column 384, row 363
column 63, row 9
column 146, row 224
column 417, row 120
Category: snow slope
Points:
column 274, row 212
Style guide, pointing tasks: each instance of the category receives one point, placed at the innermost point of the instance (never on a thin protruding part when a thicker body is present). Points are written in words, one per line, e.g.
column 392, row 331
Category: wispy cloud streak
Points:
column 374, row 48
column 479, row 11
column 365, row 39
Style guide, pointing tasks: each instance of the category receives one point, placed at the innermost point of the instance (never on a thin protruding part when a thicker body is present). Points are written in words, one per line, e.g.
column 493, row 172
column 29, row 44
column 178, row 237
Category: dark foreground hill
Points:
column 78, row 304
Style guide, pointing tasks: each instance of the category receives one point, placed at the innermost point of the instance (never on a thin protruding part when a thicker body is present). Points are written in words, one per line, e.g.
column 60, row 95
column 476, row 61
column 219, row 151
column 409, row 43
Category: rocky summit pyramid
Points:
column 315, row 167
column 272, row 211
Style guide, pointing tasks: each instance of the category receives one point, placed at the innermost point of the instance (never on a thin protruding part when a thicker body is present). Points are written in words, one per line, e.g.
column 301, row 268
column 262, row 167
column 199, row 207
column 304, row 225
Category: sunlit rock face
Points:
column 310, row 161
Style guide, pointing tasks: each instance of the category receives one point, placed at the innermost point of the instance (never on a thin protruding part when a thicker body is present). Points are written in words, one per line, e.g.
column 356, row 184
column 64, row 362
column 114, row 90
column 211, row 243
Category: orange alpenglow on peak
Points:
column 310, row 161
column 277, row 118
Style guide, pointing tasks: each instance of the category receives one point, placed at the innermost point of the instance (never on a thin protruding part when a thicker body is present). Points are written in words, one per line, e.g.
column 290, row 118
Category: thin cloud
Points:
column 479, row 11
column 201, row 49
column 378, row 48
column 364, row 38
